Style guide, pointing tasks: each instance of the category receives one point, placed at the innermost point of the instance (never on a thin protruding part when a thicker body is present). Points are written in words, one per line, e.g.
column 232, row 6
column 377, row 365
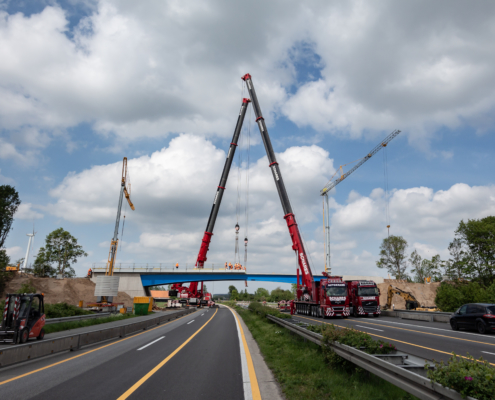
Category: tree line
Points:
column 261, row 294
column 467, row 276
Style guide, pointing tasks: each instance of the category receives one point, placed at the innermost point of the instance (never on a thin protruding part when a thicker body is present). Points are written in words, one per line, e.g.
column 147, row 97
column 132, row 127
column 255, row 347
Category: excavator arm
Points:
column 408, row 297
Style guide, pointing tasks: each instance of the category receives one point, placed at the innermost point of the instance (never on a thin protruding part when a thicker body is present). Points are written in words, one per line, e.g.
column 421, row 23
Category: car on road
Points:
column 477, row 316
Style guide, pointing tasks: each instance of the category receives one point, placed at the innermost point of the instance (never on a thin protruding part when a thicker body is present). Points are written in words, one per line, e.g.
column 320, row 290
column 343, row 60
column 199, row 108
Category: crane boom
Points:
column 297, row 243
column 330, row 185
column 115, row 240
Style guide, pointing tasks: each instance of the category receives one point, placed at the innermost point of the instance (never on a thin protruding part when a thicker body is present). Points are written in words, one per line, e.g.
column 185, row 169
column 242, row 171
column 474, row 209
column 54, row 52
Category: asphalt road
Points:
column 196, row 356
column 427, row 340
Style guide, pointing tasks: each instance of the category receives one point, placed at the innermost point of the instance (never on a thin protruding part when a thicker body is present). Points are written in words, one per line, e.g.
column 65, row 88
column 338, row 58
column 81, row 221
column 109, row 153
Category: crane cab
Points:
column 23, row 318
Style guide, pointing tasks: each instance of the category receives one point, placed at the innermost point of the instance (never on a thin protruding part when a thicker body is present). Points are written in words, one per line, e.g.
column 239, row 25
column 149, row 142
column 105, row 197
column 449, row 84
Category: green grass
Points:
column 302, row 372
column 64, row 326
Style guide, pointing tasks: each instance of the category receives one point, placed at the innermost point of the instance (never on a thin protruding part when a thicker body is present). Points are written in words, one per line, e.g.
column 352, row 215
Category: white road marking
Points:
column 149, row 344
column 438, row 329
column 367, row 327
column 190, row 322
column 248, row 394
column 487, row 352
column 202, row 314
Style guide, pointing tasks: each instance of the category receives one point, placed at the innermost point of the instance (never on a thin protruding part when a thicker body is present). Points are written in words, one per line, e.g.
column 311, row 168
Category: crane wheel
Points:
column 24, row 335
column 41, row 336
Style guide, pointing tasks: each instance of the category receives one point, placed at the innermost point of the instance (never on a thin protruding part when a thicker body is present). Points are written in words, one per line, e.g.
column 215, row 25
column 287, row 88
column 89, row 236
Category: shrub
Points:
column 469, row 377
column 450, row 296
column 350, row 337
column 26, row 288
column 264, row 310
column 61, row 310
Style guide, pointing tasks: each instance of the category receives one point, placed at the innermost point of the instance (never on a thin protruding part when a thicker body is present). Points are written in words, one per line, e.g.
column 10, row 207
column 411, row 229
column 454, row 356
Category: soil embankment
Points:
column 70, row 290
column 424, row 293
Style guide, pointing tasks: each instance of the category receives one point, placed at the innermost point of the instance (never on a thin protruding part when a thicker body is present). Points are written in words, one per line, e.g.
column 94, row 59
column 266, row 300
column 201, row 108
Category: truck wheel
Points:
column 41, row 336
column 24, row 335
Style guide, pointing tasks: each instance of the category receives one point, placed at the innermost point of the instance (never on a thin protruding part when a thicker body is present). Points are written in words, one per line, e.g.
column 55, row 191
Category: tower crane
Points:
column 332, row 183
column 107, row 286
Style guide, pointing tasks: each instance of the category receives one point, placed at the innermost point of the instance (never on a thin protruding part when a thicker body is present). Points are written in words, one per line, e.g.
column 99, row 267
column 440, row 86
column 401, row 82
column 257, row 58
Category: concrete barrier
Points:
column 30, row 351
column 430, row 316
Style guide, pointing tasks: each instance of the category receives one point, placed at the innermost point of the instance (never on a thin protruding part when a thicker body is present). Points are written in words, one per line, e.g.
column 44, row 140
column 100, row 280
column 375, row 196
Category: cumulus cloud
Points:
column 171, row 67
column 25, row 211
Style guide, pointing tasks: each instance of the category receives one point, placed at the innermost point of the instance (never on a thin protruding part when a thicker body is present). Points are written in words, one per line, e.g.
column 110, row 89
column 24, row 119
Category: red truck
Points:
column 330, row 298
column 364, row 298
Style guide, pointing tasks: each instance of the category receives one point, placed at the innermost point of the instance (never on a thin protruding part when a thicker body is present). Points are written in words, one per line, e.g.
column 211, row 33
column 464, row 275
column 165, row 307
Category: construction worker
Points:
column 90, row 273
column 226, row 266
column 230, row 265
column 177, row 266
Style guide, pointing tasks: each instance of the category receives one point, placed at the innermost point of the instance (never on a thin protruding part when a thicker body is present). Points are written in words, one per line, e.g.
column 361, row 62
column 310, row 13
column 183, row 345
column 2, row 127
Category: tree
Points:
column 393, row 256
column 4, row 275
column 42, row 266
column 456, row 265
column 62, row 249
column 478, row 237
column 293, row 289
column 261, row 294
column 9, row 203
column 415, row 260
column 231, row 289
column 234, row 295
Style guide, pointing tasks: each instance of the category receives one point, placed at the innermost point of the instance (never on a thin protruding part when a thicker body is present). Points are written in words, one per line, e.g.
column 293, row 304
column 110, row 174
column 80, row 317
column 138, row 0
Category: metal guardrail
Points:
column 76, row 318
column 412, row 383
column 162, row 267
column 32, row 350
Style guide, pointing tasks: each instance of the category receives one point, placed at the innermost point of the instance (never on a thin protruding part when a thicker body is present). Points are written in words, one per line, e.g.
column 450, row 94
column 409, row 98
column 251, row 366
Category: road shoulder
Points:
column 269, row 387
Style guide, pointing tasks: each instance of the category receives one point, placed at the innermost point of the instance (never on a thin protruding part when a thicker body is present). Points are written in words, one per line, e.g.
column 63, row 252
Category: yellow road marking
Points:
column 255, row 389
column 83, row 354
column 427, row 333
column 154, row 370
column 383, row 337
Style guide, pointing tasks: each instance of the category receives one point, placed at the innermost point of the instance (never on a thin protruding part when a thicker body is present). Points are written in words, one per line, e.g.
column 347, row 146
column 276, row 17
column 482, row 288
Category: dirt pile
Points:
column 424, row 293
column 69, row 291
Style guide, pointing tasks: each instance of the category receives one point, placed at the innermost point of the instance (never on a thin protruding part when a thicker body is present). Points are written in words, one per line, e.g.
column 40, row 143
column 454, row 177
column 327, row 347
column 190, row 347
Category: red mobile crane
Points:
column 325, row 298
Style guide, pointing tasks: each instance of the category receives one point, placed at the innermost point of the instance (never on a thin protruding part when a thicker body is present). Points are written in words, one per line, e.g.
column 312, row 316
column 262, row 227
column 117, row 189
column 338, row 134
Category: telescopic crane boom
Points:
column 297, row 243
column 115, row 240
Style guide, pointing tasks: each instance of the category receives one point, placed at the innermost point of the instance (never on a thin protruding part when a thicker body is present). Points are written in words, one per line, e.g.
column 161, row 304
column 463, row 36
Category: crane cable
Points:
column 385, row 184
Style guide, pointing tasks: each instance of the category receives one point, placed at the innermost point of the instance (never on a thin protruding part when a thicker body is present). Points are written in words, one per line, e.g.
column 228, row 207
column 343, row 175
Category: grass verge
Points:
column 302, row 372
column 64, row 326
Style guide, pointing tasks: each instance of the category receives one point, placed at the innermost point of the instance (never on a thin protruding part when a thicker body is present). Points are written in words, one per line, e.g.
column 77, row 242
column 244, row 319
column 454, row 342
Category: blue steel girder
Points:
column 165, row 279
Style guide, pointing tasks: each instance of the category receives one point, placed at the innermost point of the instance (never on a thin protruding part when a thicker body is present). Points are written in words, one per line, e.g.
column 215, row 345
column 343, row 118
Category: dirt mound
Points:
column 69, row 291
column 424, row 293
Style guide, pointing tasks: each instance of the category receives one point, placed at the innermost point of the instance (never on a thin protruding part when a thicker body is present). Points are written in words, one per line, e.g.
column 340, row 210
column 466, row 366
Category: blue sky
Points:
column 89, row 82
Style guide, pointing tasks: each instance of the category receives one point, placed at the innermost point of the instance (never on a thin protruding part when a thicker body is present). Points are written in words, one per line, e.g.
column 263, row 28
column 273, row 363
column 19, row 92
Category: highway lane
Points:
column 91, row 328
column 425, row 340
column 196, row 356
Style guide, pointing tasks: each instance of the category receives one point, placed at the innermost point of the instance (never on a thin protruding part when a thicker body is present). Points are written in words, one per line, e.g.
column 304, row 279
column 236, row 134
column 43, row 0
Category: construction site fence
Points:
column 381, row 366
column 123, row 267
column 32, row 350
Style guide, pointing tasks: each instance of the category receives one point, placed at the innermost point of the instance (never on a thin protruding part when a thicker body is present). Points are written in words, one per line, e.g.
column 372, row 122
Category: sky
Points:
column 84, row 83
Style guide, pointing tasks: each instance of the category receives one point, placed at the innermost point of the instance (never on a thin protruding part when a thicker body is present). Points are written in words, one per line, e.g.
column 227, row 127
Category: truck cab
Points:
column 364, row 298
column 334, row 300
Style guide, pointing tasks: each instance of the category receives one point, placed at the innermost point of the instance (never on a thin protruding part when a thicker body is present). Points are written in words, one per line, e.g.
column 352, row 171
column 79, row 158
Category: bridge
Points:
column 134, row 280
